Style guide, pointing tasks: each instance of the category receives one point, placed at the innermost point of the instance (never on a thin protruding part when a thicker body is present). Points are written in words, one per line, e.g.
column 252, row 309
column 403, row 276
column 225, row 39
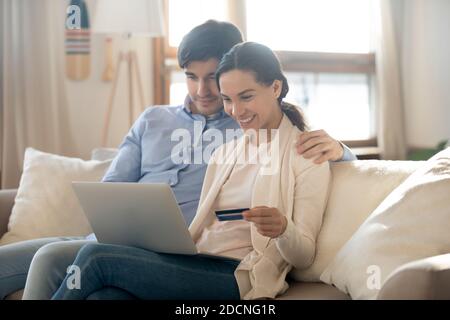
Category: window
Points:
column 186, row 14
column 326, row 48
column 311, row 25
column 334, row 101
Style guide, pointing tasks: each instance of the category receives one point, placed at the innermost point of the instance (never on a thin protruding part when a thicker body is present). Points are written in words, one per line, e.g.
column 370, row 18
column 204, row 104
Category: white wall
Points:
column 425, row 56
column 88, row 98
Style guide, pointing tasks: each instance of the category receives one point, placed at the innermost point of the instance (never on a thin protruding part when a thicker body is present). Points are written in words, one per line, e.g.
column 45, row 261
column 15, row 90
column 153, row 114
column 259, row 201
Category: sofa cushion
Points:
column 6, row 204
column 102, row 154
column 45, row 204
column 15, row 295
column 412, row 223
column 425, row 279
column 312, row 291
column 357, row 188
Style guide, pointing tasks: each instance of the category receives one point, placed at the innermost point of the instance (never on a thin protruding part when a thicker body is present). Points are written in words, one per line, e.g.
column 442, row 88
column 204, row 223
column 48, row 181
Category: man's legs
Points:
column 49, row 267
column 15, row 262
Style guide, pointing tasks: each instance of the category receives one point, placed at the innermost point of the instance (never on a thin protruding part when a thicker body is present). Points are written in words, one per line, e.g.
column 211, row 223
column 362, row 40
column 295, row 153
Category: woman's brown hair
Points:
column 264, row 64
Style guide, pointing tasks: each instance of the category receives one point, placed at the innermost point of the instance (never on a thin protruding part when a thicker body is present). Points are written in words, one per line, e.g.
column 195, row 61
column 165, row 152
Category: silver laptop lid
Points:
column 135, row 214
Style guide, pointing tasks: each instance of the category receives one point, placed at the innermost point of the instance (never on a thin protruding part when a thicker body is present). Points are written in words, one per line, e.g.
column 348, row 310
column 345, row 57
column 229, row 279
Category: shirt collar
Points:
column 187, row 107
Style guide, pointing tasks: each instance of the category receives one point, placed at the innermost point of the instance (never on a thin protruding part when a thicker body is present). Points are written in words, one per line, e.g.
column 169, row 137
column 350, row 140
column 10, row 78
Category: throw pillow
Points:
column 412, row 223
column 358, row 187
column 46, row 205
column 104, row 153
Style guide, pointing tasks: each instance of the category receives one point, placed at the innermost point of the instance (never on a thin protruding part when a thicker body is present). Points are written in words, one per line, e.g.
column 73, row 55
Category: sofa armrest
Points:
column 7, row 197
column 423, row 279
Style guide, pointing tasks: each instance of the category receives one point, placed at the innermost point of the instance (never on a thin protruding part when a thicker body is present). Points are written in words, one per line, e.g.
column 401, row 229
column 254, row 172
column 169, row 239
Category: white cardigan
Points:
column 298, row 188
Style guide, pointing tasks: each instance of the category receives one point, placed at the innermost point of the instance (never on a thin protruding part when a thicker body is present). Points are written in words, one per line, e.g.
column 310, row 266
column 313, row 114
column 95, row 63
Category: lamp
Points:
column 129, row 18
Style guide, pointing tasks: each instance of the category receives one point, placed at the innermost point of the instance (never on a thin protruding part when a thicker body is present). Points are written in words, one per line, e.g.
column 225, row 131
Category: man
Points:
column 145, row 156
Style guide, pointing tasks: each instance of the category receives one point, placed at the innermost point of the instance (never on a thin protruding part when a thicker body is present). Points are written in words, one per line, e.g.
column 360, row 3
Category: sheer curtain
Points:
column 391, row 126
column 35, row 106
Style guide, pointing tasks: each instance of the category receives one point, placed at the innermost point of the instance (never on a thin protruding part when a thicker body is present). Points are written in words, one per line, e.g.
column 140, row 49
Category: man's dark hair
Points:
column 211, row 39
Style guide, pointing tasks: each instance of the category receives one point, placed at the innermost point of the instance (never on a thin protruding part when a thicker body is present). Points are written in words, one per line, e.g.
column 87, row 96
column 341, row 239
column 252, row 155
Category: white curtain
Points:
column 35, row 107
column 391, row 126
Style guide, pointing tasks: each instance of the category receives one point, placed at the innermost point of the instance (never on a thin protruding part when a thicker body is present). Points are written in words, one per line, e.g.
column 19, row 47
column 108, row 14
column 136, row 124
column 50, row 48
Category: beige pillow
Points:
column 358, row 187
column 45, row 204
column 412, row 223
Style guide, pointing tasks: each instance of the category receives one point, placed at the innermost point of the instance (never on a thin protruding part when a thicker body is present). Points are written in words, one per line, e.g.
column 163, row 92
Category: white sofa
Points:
column 357, row 189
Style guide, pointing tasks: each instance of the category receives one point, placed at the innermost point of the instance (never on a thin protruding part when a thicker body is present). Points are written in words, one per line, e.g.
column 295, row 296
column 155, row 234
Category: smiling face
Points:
column 251, row 104
column 202, row 87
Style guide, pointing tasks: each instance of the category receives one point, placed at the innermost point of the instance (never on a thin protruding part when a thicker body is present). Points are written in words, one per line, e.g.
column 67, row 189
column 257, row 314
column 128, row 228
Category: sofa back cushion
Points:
column 412, row 223
column 358, row 187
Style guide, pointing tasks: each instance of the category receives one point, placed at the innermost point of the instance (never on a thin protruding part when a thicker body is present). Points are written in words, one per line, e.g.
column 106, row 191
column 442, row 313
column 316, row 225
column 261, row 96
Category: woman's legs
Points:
column 111, row 293
column 15, row 262
column 149, row 275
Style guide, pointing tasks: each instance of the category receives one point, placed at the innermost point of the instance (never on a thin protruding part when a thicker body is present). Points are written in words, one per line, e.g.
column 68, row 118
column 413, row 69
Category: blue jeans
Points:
column 49, row 268
column 15, row 262
column 42, row 263
column 149, row 275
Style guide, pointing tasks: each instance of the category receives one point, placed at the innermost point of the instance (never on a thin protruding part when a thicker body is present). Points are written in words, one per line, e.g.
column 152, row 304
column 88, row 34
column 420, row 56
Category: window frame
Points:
column 165, row 61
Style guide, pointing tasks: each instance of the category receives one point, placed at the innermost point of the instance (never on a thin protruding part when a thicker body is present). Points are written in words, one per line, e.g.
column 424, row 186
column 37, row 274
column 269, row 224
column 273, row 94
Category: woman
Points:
column 286, row 200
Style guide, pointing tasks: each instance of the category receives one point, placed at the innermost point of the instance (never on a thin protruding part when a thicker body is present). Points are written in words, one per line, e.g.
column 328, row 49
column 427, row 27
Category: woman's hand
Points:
column 268, row 221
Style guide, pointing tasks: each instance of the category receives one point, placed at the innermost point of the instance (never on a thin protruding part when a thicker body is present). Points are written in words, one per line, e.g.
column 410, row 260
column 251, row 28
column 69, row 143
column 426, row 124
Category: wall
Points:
column 88, row 98
column 423, row 29
column 425, row 52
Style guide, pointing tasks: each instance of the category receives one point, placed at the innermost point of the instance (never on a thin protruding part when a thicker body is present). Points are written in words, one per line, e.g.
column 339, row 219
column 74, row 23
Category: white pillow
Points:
column 412, row 223
column 45, row 204
column 104, row 153
column 357, row 188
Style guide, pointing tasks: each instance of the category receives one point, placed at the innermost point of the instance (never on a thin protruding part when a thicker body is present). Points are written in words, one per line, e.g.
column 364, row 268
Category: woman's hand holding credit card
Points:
column 230, row 214
column 269, row 222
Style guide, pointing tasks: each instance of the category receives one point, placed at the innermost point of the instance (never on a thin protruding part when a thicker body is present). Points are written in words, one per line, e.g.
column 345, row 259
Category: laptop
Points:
column 139, row 215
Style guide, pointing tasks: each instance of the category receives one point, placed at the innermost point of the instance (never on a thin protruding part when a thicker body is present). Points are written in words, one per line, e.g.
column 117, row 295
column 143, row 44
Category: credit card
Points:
column 230, row 214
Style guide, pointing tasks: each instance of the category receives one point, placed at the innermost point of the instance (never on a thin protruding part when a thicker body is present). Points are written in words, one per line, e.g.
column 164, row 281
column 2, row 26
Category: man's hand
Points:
column 268, row 221
column 319, row 145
